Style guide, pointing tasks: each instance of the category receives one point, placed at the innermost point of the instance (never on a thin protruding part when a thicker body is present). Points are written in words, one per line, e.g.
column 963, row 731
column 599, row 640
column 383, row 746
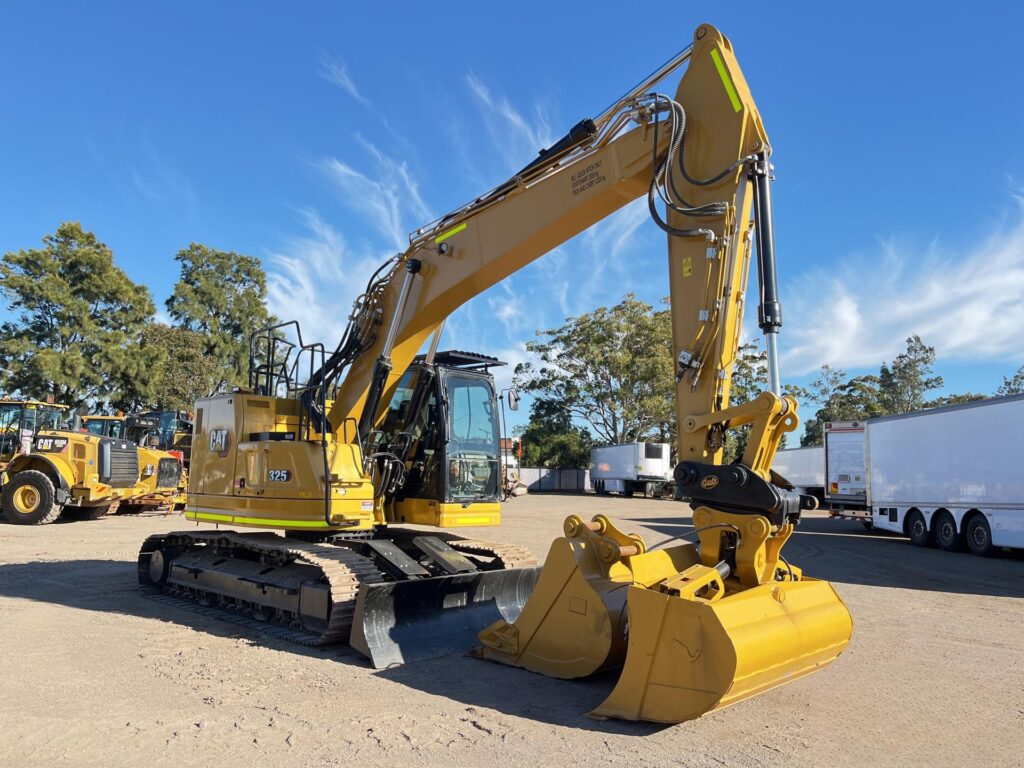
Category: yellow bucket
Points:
column 574, row 623
column 686, row 657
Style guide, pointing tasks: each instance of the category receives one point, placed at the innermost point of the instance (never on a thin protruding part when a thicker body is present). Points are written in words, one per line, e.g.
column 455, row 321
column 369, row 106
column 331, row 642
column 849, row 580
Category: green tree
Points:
column 610, row 368
column 180, row 372
column 903, row 384
column 840, row 399
column 550, row 439
column 78, row 320
column 966, row 397
column 1012, row 385
column 223, row 296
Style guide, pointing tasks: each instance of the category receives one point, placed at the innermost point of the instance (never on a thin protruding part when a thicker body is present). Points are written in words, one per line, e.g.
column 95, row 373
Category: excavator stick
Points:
column 401, row 621
column 689, row 657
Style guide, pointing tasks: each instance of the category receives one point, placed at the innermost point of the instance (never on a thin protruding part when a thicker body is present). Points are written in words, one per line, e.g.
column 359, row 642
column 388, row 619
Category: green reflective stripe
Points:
column 237, row 520
column 450, row 232
column 726, row 80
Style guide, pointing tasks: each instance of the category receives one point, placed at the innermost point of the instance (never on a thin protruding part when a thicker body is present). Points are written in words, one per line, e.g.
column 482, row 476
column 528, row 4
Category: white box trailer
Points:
column 846, row 473
column 804, row 468
column 950, row 476
column 630, row 467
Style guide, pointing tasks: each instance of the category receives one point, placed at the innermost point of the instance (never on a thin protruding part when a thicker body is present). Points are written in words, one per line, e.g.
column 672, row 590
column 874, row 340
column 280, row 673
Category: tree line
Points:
column 607, row 377
column 82, row 332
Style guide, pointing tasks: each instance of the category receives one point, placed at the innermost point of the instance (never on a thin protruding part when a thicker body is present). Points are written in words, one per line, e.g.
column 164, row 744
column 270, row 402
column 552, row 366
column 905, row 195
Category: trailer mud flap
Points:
column 687, row 657
column 401, row 621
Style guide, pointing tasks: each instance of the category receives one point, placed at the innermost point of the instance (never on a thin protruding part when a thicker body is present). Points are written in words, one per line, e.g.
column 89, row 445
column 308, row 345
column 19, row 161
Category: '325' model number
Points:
column 279, row 475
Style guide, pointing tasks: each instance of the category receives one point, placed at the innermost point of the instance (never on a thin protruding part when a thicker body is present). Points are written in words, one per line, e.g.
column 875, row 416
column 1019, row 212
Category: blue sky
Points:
column 317, row 135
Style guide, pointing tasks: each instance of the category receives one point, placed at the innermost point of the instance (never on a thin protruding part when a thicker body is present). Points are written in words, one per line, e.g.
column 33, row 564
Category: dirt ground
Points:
column 93, row 674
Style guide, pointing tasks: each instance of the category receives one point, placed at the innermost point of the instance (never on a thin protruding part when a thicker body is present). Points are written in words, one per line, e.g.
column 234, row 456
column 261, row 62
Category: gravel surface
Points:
column 93, row 674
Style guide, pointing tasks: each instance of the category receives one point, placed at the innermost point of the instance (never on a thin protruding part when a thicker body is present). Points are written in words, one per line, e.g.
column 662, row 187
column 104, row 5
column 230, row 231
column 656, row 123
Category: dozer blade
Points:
column 686, row 657
column 401, row 621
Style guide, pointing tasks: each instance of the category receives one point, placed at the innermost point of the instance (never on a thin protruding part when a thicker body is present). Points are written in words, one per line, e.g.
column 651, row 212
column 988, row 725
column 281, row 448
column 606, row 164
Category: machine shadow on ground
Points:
column 109, row 586
column 518, row 692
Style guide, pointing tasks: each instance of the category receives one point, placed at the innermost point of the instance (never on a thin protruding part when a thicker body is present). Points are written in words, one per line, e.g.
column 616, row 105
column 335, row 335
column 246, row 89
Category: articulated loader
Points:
column 50, row 470
column 341, row 451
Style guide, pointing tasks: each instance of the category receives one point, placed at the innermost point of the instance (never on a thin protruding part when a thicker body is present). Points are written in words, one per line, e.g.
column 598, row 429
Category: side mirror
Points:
column 513, row 399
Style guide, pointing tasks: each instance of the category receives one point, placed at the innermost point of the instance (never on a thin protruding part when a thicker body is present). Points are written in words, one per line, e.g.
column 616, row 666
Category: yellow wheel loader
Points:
column 341, row 449
column 161, row 473
column 52, row 470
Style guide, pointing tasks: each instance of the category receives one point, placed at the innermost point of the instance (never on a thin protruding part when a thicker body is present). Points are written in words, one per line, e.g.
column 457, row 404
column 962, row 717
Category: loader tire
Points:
column 979, row 537
column 917, row 530
column 28, row 499
column 88, row 513
column 946, row 535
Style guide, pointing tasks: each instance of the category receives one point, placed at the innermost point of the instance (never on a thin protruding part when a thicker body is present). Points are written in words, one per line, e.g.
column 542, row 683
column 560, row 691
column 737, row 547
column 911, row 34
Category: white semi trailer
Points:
column 846, row 470
column 950, row 476
column 630, row 467
column 804, row 468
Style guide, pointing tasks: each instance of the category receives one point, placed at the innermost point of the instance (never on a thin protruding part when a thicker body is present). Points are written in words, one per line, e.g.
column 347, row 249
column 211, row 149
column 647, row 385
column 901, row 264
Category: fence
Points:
column 539, row 480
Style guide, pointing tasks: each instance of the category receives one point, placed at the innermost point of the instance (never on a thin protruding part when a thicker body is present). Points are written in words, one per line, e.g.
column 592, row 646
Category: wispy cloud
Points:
column 967, row 303
column 313, row 278
column 518, row 137
column 333, row 70
column 389, row 196
column 617, row 252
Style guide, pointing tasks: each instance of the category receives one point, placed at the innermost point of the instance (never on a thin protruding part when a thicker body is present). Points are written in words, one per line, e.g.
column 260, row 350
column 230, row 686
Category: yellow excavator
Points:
column 340, row 449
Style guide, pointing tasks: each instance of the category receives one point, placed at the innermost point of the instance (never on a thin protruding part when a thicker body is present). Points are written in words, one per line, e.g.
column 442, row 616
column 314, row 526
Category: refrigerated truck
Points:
column 804, row 468
column 950, row 476
column 846, row 474
column 630, row 467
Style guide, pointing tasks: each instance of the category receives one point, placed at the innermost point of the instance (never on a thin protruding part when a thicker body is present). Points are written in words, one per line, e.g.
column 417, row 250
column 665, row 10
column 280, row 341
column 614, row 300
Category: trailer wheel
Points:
column 868, row 524
column 946, row 534
column 627, row 490
column 28, row 499
column 979, row 537
column 917, row 530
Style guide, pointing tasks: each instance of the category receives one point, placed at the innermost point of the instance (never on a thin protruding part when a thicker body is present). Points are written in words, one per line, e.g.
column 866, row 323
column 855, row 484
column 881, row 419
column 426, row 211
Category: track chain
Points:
column 342, row 569
column 508, row 555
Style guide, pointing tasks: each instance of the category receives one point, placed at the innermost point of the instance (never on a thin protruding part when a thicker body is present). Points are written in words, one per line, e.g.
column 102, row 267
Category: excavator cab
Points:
column 444, row 417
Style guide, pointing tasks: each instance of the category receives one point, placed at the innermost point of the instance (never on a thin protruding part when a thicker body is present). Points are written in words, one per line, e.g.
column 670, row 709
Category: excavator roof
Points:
column 457, row 358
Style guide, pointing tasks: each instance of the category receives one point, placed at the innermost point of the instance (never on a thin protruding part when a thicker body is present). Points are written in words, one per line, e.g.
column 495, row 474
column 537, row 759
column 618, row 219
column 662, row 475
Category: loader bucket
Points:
column 400, row 621
column 574, row 623
column 687, row 657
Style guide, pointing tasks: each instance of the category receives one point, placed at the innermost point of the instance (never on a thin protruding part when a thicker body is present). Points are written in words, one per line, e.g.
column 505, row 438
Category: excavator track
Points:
column 506, row 555
column 342, row 569
column 337, row 566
